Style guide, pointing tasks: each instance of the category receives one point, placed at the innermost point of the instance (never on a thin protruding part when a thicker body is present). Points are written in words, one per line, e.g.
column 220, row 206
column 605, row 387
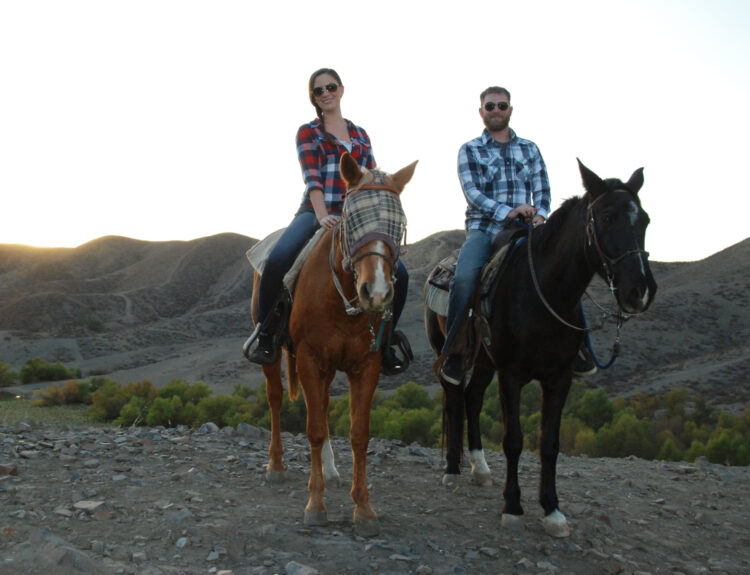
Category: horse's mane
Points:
column 554, row 225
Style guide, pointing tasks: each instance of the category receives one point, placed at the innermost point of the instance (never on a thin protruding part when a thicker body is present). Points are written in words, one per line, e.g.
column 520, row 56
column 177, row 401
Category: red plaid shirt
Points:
column 319, row 160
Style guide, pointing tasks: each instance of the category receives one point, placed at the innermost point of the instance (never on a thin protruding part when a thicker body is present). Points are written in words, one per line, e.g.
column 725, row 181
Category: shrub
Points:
column 669, row 451
column 697, row 449
column 133, row 412
column 595, row 409
column 47, row 397
column 107, row 401
column 410, row 396
column 416, row 425
column 7, row 376
column 38, row 369
column 164, row 411
column 219, row 409
column 728, row 448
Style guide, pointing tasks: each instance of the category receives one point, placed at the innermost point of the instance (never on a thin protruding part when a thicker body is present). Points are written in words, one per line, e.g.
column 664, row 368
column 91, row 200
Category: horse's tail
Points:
column 291, row 376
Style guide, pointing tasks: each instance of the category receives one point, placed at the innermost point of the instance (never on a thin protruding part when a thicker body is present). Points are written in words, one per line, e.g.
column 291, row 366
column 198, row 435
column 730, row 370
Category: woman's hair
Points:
column 318, row 111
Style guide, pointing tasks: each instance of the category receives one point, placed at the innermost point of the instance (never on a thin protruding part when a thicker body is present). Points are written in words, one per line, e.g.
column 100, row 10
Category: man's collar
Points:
column 487, row 137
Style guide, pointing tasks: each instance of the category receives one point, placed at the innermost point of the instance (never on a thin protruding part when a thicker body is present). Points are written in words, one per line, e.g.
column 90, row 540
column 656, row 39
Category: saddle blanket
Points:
column 437, row 289
column 258, row 254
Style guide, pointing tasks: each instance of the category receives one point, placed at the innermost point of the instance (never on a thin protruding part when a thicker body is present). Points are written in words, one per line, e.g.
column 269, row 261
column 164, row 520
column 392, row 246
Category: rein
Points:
column 607, row 263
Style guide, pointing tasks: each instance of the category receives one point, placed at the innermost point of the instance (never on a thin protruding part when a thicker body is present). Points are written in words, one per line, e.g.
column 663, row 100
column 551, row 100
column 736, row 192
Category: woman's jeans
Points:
column 282, row 256
column 473, row 255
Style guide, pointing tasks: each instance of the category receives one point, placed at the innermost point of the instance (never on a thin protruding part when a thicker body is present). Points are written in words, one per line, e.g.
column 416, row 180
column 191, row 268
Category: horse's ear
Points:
column 593, row 183
column 402, row 177
column 349, row 169
column 636, row 180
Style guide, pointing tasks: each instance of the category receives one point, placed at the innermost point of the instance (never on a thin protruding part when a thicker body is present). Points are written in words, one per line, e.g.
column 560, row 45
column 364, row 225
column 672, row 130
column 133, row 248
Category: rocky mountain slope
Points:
column 137, row 310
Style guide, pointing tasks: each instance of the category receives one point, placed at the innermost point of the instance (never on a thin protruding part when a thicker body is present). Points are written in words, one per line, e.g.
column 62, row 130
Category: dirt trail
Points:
column 159, row 501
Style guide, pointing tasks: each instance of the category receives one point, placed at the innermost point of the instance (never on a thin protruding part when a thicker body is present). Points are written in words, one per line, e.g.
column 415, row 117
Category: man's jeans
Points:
column 473, row 255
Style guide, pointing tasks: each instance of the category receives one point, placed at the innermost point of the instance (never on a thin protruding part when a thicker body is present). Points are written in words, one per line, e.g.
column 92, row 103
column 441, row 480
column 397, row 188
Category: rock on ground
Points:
column 184, row 501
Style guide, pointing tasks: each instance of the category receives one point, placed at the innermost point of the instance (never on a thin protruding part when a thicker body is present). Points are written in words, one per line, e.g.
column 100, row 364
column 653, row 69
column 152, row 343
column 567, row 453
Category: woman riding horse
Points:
column 320, row 145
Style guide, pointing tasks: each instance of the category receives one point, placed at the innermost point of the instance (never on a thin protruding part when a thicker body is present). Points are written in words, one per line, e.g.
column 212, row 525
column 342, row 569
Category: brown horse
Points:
column 342, row 296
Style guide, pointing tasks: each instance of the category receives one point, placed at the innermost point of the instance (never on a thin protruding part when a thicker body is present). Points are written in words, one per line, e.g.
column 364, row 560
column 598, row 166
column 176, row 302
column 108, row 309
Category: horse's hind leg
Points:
column 361, row 389
column 554, row 394
column 510, row 399
column 480, row 379
column 274, row 393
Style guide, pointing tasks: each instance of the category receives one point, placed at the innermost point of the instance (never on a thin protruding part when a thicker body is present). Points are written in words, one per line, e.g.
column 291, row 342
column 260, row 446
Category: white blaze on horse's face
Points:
column 633, row 213
column 374, row 284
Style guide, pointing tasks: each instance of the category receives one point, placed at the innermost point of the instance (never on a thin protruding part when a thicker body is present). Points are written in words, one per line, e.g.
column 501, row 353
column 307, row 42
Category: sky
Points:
column 175, row 119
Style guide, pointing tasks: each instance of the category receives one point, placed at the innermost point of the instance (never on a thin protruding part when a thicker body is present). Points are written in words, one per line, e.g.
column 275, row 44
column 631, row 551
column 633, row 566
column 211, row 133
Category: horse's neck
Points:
column 560, row 260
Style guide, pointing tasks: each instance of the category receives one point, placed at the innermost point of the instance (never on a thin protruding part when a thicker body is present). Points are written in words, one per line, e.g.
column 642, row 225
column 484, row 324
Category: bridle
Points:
column 592, row 238
column 607, row 263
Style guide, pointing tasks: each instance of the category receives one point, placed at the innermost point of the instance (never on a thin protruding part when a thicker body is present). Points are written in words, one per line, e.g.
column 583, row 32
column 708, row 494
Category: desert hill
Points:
column 135, row 310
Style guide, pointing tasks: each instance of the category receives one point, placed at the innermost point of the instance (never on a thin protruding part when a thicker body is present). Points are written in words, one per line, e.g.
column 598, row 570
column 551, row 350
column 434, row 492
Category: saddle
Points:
column 437, row 288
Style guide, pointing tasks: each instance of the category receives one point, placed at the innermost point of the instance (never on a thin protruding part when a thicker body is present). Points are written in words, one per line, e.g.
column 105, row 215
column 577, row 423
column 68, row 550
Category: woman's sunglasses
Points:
column 328, row 88
column 489, row 106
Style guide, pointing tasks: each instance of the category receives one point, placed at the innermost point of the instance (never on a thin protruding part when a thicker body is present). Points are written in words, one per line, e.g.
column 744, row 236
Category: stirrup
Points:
column 398, row 338
column 249, row 342
column 391, row 363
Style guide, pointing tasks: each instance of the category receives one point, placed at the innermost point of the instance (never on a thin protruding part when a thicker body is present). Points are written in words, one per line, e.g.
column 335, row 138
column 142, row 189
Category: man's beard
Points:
column 496, row 123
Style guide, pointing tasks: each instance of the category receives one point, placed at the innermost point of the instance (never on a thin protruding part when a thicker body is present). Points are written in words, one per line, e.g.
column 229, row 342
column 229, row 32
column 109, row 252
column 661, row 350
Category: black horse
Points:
column 534, row 333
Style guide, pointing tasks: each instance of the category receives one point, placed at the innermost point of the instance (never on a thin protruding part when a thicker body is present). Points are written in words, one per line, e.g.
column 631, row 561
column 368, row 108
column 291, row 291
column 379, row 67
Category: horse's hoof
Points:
column 556, row 525
column 512, row 522
column 316, row 518
column 369, row 528
column 275, row 477
column 481, row 479
column 450, row 480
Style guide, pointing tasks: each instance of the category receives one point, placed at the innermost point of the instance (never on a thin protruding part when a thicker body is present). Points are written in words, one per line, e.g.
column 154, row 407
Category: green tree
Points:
column 728, row 448
column 669, row 451
column 594, row 409
column 411, row 396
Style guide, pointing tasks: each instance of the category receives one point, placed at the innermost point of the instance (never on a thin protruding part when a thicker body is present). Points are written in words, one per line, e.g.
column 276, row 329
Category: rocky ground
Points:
column 174, row 501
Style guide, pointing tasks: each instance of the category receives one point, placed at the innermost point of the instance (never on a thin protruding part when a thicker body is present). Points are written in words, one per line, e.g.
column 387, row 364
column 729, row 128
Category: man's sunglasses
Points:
column 489, row 106
column 328, row 88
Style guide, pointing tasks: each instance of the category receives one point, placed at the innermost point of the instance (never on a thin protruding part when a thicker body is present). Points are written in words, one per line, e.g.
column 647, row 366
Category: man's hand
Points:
column 524, row 211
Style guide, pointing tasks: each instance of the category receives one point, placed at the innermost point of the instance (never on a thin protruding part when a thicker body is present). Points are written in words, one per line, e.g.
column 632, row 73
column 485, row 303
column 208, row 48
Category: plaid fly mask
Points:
column 372, row 212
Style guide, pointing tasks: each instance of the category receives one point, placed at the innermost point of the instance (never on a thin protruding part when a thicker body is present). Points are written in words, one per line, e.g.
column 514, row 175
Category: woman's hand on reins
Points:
column 329, row 221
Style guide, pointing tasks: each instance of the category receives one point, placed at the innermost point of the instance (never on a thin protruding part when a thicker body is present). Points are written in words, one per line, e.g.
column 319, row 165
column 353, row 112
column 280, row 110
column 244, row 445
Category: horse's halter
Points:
column 592, row 238
column 372, row 211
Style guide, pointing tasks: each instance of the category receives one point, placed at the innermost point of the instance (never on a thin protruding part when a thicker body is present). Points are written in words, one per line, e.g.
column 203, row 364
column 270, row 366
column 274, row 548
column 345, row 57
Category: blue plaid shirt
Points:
column 499, row 176
column 319, row 160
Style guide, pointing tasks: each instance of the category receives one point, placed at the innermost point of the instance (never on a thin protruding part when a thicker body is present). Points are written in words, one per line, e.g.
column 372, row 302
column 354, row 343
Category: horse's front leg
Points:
column 361, row 389
column 510, row 400
column 480, row 379
column 315, row 383
column 555, row 391
column 275, row 470
column 453, row 425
